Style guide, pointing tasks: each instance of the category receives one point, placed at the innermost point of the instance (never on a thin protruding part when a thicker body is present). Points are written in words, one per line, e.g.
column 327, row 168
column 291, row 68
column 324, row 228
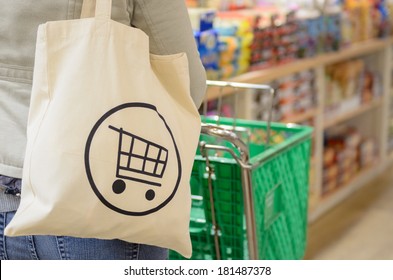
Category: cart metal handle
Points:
column 233, row 138
column 243, row 160
column 217, row 131
column 240, row 85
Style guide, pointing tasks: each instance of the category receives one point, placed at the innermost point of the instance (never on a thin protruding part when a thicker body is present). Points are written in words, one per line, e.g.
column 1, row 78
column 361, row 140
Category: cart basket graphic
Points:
column 138, row 160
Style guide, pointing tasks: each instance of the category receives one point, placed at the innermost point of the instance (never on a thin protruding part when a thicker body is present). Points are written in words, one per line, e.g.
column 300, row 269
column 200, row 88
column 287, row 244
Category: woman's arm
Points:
column 167, row 24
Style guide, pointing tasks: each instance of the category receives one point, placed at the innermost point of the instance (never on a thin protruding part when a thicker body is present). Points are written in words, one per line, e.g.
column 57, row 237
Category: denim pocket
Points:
column 15, row 248
column 73, row 248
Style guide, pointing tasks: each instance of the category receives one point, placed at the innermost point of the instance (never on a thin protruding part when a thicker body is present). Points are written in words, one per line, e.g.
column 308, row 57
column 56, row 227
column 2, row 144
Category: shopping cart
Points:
column 250, row 194
column 143, row 165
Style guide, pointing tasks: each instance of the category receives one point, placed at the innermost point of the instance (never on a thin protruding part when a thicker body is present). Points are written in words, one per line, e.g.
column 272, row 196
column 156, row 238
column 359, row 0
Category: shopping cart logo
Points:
column 151, row 162
column 132, row 160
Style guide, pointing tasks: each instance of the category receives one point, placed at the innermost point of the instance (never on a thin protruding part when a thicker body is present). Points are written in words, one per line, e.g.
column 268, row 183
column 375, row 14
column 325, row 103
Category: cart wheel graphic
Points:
column 150, row 194
column 143, row 161
column 118, row 186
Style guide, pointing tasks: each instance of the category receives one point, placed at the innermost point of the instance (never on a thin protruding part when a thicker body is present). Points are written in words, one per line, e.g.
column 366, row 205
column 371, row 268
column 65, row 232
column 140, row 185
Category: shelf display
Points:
column 349, row 85
column 271, row 33
column 346, row 152
column 295, row 99
column 337, row 82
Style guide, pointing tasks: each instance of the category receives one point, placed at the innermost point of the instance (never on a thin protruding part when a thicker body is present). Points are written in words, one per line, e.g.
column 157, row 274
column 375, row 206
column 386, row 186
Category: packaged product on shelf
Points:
column 329, row 180
column 370, row 86
column 332, row 25
column 206, row 38
column 262, row 45
column 328, row 156
column 353, row 138
column 346, row 152
column 274, row 39
column 308, row 33
column 347, row 28
column 319, row 29
column 207, row 42
column 235, row 38
column 285, row 39
column 329, row 171
column 231, row 5
column 283, row 36
column 367, row 153
column 389, row 8
column 350, row 84
column 360, row 14
column 296, row 95
column 228, row 53
column 380, row 19
column 366, row 21
column 367, row 87
column 234, row 55
column 201, row 18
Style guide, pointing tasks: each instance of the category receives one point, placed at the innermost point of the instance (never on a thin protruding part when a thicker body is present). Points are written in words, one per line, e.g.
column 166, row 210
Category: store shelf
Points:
column 378, row 110
column 329, row 201
column 301, row 117
column 270, row 74
column 356, row 50
column 351, row 114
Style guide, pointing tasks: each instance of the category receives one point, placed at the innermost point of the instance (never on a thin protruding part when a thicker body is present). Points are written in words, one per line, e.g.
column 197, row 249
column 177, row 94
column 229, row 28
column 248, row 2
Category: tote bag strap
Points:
column 100, row 9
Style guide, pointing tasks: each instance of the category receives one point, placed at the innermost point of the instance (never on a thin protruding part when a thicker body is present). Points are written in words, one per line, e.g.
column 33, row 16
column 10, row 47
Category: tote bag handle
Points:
column 100, row 9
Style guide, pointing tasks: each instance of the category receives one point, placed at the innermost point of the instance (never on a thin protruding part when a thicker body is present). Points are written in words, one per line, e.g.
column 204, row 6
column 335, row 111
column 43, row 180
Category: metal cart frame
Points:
column 242, row 160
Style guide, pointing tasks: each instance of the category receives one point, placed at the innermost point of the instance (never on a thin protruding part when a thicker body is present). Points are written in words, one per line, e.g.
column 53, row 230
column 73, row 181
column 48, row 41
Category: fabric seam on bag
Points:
column 42, row 119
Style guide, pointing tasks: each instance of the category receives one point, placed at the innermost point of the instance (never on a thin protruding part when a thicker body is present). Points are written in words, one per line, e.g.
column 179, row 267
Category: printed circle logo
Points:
column 132, row 161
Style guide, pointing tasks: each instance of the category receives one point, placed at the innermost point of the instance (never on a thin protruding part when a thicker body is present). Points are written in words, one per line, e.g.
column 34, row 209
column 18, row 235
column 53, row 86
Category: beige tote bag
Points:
column 112, row 134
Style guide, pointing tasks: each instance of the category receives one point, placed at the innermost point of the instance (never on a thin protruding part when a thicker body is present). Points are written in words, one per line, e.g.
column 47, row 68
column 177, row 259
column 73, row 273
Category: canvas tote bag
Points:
column 112, row 134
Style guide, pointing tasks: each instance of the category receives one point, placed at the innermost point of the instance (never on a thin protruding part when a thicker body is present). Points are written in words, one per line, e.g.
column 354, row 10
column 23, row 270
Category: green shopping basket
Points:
column 250, row 200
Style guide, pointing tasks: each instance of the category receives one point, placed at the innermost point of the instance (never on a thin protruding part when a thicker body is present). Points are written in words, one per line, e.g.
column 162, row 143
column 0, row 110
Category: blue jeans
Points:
column 70, row 248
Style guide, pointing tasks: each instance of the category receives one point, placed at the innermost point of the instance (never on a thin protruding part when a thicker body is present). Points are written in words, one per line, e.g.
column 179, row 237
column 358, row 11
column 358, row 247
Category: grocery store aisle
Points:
column 361, row 228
